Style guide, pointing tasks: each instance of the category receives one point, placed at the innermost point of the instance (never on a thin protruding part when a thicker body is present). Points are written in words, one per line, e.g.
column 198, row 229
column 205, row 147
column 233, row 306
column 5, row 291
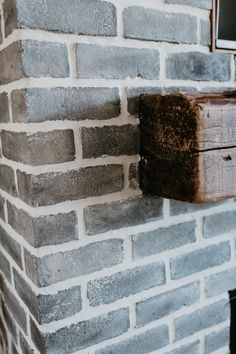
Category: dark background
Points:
column 227, row 20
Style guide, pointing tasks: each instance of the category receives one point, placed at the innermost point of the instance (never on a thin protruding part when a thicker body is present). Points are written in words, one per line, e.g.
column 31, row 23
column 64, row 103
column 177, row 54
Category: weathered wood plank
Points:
column 177, row 132
column 217, row 175
column 217, row 127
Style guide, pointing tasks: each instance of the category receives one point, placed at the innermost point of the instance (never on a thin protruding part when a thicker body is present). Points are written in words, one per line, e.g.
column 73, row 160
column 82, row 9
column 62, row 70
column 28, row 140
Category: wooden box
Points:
column 188, row 146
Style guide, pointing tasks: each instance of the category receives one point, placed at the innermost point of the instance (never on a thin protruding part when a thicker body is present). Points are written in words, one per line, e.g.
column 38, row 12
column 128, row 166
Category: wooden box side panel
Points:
column 217, row 175
column 175, row 178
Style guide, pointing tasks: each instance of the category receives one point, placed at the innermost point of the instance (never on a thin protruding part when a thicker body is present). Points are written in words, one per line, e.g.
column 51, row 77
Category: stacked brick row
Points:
column 88, row 264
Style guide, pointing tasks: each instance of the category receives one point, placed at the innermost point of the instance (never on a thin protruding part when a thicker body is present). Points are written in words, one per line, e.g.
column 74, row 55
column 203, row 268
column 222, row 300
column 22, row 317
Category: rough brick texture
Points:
column 5, row 267
column 7, row 179
column 11, row 246
column 217, row 340
column 152, row 25
column 193, row 348
column 166, row 303
column 198, row 67
column 218, row 224
column 43, row 104
column 204, row 4
column 117, row 286
column 52, row 188
column 48, row 308
column 220, row 282
column 117, row 63
column 89, row 332
column 33, row 58
column 10, row 64
column 44, row 230
column 140, row 344
column 110, row 141
column 200, row 319
column 37, row 58
column 101, row 218
column 4, row 115
column 85, row 260
column 15, row 307
column 39, row 148
column 199, row 260
column 205, row 33
column 87, row 263
column 150, row 243
column 99, row 17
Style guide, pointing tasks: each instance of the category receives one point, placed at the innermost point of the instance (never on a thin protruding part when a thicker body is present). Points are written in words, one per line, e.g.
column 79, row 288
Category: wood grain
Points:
column 217, row 175
column 188, row 146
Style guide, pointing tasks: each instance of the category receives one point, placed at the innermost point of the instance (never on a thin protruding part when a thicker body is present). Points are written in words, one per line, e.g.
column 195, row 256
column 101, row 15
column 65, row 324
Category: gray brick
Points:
column 39, row 148
column 140, row 344
column 7, row 180
column 217, row 340
column 218, row 224
column 5, row 267
column 64, row 265
column 55, row 229
column 217, row 89
column 52, row 188
column 199, row 260
column 203, row 4
column 48, row 308
column 3, row 337
column 205, row 36
column 37, row 59
column 2, row 212
column 133, row 176
column 11, row 325
column 42, row 104
column 87, row 333
column 15, row 308
column 178, row 207
column 13, row 349
column 135, row 92
column 33, row 58
column 104, row 217
column 221, row 282
column 1, row 36
column 11, row 246
column 10, row 64
column 166, row 303
column 44, row 230
column 25, row 346
column 65, row 303
column 99, row 17
column 153, row 25
column 109, row 289
column 27, row 295
column 198, row 66
column 198, row 320
column 4, row 109
column 37, row 337
column 2, row 281
column 95, row 61
column 110, row 140
column 163, row 239
column 193, row 348
column 9, row 15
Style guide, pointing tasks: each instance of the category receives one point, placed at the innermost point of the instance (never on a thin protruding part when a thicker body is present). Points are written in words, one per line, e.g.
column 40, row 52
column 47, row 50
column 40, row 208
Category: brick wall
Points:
column 87, row 264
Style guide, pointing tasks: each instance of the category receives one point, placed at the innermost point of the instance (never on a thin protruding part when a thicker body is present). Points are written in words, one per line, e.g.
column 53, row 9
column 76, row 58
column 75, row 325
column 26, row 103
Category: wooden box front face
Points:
column 188, row 146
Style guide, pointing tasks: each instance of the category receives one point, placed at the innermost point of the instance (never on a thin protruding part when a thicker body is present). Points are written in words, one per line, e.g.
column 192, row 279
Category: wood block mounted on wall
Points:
column 188, row 146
